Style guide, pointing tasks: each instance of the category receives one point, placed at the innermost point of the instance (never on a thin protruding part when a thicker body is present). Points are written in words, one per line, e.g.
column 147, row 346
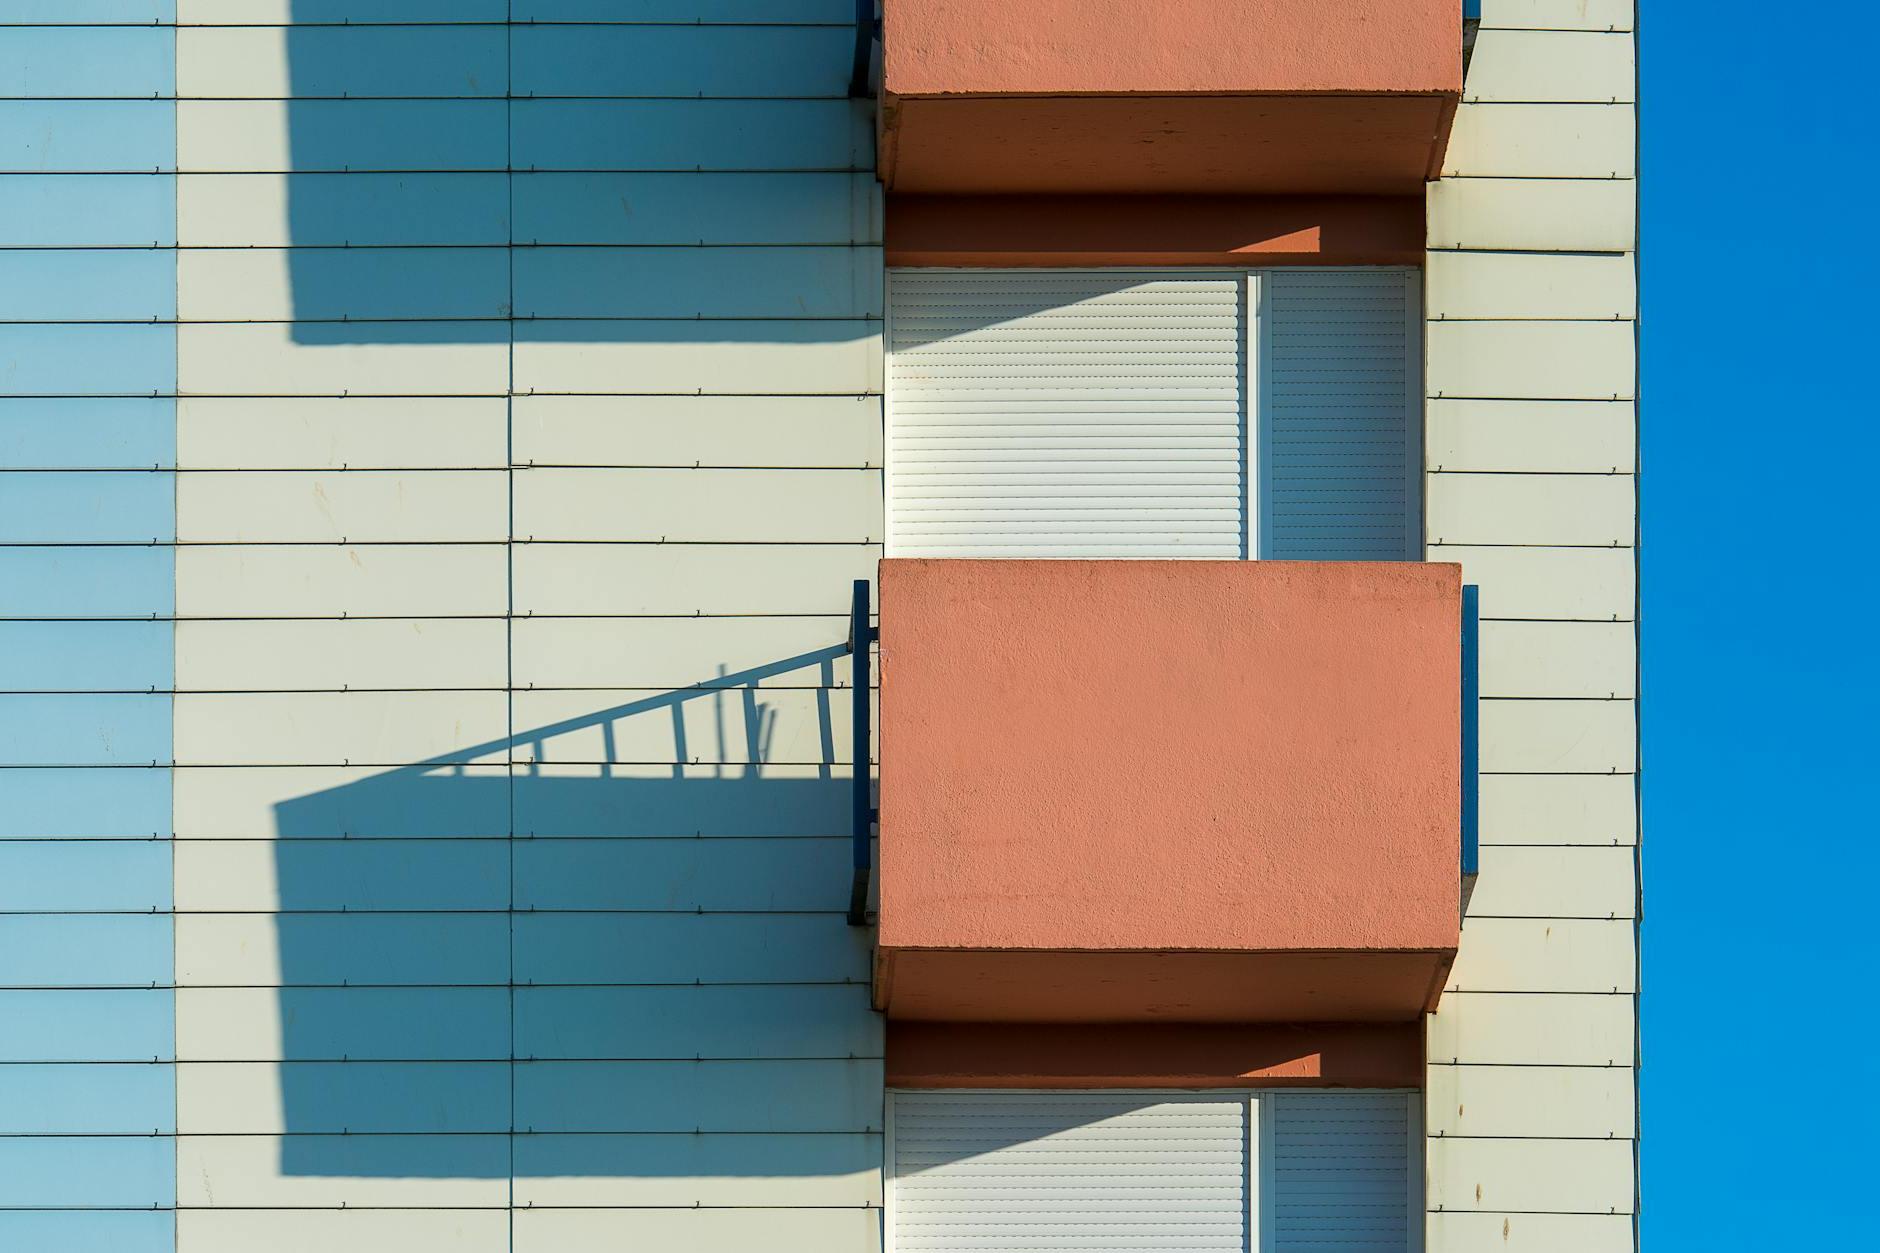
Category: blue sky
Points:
column 1759, row 487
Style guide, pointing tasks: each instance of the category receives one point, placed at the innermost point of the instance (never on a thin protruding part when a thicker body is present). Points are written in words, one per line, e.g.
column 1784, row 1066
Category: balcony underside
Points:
column 1167, row 97
column 1005, row 985
column 1166, row 145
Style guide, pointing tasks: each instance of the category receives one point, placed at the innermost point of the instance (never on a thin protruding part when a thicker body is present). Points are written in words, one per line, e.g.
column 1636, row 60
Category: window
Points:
column 1140, row 413
column 1276, row 1172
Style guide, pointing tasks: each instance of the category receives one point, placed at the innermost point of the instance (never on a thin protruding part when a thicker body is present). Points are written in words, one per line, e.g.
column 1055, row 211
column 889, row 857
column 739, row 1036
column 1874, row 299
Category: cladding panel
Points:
column 1515, row 66
column 1531, row 1233
column 1568, row 1102
column 1510, row 285
column 1534, row 214
column 1515, row 1176
column 1545, row 436
column 1536, row 1029
column 1558, row 14
column 1543, row 141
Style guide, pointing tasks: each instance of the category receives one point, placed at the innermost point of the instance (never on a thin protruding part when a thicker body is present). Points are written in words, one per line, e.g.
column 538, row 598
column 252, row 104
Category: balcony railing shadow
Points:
column 500, row 962
column 517, row 960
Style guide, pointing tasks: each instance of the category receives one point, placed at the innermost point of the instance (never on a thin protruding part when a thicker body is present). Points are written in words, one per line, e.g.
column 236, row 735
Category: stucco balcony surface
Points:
column 1203, row 791
column 1167, row 96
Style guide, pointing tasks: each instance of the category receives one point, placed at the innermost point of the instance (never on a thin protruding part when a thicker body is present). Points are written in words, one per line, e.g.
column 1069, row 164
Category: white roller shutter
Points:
column 1341, row 447
column 1104, row 413
column 1017, row 1171
column 1066, row 413
column 1013, row 1172
column 1341, row 1173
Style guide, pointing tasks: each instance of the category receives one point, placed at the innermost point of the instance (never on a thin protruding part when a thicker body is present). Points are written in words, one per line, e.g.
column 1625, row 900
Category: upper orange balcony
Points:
column 1167, row 96
column 1201, row 791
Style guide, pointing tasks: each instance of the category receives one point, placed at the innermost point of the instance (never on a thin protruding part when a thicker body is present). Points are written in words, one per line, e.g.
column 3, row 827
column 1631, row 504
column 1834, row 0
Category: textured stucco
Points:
column 1203, row 758
column 965, row 47
column 1176, row 96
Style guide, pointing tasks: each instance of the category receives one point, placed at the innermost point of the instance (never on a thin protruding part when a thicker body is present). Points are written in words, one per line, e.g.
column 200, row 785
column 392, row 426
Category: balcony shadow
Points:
column 507, row 962
column 562, row 183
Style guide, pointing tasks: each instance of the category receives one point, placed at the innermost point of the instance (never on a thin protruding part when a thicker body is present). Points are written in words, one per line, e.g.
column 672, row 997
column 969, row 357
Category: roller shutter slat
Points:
column 993, row 358
column 1103, row 413
column 1340, row 1177
column 1006, row 1174
column 1342, row 451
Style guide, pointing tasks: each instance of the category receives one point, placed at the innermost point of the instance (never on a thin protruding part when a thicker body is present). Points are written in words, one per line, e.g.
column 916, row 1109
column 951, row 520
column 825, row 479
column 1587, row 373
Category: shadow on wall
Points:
column 653, row 977
column 646, row 182
column 561, row 967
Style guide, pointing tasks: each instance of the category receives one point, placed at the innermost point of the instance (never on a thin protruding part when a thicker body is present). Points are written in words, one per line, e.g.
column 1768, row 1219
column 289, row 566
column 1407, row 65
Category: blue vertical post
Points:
column 865, row 30
column 1471, row 732
column 862, row 806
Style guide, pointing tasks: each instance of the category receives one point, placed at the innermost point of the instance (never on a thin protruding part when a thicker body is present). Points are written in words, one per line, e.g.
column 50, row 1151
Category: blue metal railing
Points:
column 1471, row 733
column 862, row 811
column 867, row 31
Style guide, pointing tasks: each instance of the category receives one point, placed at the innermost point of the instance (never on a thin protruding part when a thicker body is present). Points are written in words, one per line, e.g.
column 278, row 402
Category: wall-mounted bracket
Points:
column 862, row 811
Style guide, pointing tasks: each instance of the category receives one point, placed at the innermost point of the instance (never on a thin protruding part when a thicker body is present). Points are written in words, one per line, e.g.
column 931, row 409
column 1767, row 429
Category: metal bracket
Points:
column 862, row 811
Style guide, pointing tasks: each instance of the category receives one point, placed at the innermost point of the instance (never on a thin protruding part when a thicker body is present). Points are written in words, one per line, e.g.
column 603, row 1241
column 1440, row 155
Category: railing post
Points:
column 861, row 800
column 1471, row 734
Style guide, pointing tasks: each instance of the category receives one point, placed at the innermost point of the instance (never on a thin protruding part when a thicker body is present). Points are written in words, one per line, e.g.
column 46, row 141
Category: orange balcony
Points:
column 1198, row 791
column 1167, row 96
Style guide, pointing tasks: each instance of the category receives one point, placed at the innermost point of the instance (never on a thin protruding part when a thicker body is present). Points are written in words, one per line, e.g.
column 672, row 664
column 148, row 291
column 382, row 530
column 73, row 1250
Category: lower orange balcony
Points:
column 1188, row 791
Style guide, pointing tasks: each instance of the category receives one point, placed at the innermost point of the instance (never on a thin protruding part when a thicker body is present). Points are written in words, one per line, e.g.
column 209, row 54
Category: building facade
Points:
column 440, row 442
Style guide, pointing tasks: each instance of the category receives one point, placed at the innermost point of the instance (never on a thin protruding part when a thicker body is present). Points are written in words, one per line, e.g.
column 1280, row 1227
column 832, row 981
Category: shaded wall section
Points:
column 531, row 380
column 601, row 971
column 674, row 178
column 87, row 524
